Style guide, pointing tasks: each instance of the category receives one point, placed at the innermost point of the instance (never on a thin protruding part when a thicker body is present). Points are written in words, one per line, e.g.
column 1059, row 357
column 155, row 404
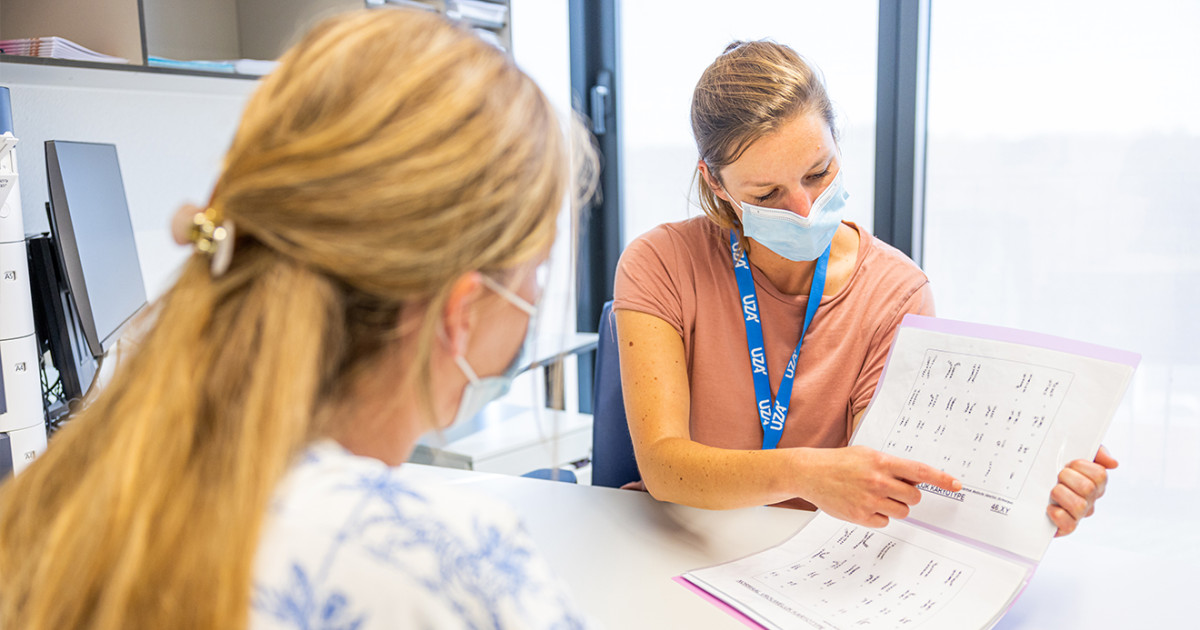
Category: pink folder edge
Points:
column 1024, row 337
column 730, row 610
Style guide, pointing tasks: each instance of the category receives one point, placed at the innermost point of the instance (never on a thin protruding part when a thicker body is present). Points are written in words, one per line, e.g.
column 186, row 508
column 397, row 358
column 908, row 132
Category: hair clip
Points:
column 214, row 238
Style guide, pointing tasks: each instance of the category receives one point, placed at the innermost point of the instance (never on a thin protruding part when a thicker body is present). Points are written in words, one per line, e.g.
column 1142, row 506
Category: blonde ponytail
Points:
column 225, row 397
column 389, row 154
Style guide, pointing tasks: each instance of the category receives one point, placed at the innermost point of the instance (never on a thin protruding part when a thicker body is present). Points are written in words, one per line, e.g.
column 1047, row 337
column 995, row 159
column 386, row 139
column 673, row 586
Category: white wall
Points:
column 171, row 132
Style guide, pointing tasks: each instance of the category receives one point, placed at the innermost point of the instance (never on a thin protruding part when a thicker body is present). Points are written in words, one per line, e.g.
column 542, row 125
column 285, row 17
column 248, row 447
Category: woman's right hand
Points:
column 865, row 486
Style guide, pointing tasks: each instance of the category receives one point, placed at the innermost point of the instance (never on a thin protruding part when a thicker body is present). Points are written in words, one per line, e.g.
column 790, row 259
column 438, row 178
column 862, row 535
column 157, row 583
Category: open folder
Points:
column 1000, row 409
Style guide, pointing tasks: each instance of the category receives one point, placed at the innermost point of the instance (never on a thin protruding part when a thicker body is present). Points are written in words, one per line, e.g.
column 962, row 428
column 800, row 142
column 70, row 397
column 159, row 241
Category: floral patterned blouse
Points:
column 350, row 545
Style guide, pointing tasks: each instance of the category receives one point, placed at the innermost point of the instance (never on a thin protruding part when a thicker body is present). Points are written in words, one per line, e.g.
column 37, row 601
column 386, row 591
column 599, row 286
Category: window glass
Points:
column 665, row 46
column 1063, row 161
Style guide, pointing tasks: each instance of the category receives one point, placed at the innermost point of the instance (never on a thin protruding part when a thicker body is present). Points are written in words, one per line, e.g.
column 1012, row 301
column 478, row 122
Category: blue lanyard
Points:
column 771, row 415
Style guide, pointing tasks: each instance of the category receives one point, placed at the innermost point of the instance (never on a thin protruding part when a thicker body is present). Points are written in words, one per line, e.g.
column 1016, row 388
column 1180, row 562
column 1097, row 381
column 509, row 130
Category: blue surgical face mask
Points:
column 481, row 391
column 792, row 236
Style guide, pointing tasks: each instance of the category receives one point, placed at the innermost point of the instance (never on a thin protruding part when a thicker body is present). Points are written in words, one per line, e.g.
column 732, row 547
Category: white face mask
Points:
column 481, row 391
column 792, row 236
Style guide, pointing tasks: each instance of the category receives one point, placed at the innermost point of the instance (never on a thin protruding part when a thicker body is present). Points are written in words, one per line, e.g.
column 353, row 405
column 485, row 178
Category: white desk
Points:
column 619, row 549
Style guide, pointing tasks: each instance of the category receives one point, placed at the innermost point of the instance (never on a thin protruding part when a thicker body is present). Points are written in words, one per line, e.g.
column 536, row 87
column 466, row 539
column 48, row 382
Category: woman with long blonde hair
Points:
column 365, row 272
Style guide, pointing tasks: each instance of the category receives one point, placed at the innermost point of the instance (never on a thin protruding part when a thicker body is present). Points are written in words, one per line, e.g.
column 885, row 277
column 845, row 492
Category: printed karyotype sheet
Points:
column 1003, row 411
column 835, row 575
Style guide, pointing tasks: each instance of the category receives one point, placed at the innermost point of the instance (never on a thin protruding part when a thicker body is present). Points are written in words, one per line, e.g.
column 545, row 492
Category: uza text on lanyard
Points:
column 773, row 416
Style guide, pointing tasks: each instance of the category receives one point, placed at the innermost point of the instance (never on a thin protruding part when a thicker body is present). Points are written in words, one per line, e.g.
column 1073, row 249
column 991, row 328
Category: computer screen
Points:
column 90, row 223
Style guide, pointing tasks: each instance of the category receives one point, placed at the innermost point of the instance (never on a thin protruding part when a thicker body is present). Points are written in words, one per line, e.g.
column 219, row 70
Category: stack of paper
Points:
column 255, row 67
column 56, row 47
column 207, row 66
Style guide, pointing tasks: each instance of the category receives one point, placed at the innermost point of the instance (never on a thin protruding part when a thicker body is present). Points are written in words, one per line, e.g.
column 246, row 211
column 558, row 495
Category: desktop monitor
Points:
column 90, row 274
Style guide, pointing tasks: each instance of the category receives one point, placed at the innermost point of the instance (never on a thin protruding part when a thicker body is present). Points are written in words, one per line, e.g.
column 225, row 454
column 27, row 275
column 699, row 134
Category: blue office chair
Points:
column 553, row 474
column 613, row 463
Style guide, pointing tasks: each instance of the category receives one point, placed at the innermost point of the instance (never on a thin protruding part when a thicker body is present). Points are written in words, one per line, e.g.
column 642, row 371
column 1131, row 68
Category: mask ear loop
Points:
column 437, row 456
column 461, row 361
column 509, row 295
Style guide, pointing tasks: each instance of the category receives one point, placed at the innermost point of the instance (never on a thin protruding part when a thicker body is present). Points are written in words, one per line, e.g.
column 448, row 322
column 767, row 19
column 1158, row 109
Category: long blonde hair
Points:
column 749, row 91
column 390, row 153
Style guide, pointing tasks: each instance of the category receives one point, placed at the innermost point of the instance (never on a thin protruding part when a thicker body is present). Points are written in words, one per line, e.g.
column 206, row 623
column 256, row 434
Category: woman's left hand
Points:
column 1079, row 485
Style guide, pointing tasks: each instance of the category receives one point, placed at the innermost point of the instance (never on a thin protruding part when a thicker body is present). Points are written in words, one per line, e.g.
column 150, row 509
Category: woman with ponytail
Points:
column 749, row 405
column 364, row 271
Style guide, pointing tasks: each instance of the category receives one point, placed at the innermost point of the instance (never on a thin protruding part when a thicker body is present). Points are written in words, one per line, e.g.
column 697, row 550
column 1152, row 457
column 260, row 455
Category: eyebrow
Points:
column 826, row 160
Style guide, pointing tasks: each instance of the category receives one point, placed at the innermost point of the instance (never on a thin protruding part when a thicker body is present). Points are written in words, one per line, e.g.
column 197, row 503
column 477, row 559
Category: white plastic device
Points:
column 22, row 420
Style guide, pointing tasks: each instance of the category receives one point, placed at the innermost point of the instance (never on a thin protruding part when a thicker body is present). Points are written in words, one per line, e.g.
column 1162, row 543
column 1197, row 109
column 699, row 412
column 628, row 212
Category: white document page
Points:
column 1003, row 411
column 836, row 575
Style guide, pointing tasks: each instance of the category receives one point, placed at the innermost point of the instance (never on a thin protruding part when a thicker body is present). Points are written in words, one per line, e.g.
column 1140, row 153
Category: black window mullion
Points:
column 595, row 91
column 900, row 134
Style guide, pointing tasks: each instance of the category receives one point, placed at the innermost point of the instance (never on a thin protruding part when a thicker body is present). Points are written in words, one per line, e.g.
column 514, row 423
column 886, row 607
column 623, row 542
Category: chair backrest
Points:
column 613, row 463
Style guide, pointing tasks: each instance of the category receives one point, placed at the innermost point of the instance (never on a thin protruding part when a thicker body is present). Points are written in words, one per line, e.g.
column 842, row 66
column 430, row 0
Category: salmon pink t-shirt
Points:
column 682, row 273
